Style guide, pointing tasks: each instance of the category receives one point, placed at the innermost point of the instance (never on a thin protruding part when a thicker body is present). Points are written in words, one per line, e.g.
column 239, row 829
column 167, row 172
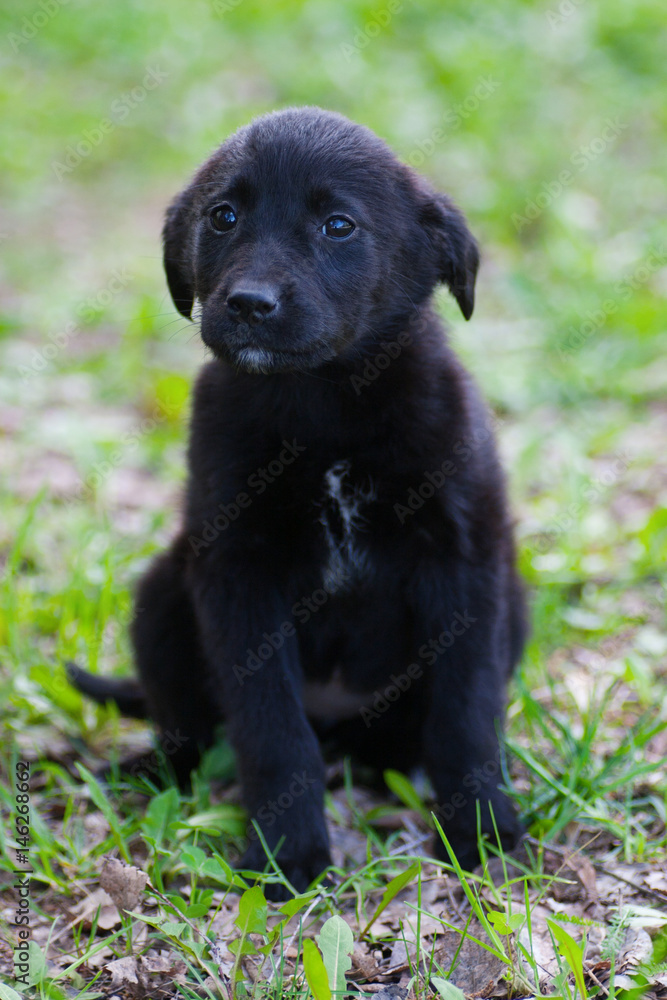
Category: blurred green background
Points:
column 545, row 121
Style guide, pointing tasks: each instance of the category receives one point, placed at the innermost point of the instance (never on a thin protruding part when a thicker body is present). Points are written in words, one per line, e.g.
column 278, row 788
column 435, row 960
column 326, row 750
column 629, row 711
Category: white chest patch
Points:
column 343, row 522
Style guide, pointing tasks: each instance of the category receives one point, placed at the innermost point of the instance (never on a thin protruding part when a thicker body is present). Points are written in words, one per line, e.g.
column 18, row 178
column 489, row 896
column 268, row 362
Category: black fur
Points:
column 346, row 535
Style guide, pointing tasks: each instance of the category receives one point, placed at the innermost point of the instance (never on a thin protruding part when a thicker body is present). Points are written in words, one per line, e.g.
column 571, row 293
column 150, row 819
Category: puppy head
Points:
column 302, row 235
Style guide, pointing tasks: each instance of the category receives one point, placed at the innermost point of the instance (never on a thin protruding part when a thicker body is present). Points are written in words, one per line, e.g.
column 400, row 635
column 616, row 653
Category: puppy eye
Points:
column 338, row 227
column 223, row 218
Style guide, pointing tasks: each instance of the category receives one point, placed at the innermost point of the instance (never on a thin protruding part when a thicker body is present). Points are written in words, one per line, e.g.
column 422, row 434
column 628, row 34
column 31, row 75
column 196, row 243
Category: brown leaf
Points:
column 364, row 965
column 636, row 949
column 157, row 963
column 477, row 972
column 99, row 959
column 585, row 873
column 108, row 918
column 657, row 881
column 577, row 875
column 148, row 975
column 123, row 971
column 124, row 883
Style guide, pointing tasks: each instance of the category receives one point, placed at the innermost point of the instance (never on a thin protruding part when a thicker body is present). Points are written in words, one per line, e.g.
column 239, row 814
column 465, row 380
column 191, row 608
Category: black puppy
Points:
column 346, row 564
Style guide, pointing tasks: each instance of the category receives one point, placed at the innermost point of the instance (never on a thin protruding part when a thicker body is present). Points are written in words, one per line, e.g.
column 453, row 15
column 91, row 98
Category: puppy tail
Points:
column 127, row 694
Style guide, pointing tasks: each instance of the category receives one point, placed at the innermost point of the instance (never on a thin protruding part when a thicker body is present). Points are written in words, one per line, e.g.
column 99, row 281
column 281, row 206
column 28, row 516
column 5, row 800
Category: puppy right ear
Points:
column 178, row 262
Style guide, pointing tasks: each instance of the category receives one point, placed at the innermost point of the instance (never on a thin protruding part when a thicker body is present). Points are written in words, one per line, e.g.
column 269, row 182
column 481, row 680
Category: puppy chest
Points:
column 344, row 511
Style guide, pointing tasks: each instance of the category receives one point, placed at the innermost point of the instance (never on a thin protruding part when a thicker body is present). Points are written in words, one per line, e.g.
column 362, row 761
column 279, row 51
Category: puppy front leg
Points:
column 252, row 647
column 463, row 639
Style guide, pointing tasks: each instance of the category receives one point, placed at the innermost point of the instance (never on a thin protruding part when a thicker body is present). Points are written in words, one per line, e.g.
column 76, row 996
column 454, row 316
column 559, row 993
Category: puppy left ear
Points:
column 456, row 249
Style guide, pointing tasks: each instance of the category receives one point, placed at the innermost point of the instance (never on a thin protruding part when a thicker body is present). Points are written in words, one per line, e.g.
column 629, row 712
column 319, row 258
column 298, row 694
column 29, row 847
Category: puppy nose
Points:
column 253, row 304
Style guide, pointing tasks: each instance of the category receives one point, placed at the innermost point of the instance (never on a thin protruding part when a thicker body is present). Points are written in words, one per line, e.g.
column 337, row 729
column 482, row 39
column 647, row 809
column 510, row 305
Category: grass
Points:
column 546, row 123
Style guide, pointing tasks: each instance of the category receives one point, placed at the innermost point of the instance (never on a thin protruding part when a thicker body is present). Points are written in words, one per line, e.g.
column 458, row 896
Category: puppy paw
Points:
column 297, row 876
column 299, row 872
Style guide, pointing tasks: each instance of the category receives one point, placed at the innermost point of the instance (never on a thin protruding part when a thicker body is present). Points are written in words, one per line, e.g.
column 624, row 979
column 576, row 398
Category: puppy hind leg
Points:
column 172, row 666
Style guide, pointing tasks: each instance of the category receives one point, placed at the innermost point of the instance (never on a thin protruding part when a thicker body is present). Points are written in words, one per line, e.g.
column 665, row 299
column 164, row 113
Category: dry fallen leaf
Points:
column 657, row 881
column 100, row 958
column 636, row 949
column 574, row 874
column 123, row 971
column 147, row 975
column 477, row 972
column 83, row 912
column 365, row 965
column 159, row 963
column 585, row 873
column 124, row 883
